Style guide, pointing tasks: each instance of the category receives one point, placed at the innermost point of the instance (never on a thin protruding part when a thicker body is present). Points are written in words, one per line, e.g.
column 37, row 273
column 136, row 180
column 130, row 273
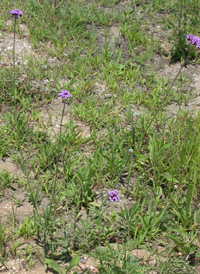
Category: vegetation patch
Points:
column 99, row 136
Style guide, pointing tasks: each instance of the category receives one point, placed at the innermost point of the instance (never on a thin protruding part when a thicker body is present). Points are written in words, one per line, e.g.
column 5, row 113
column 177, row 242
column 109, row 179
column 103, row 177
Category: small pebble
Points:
column 130, row 151
column 83, row 260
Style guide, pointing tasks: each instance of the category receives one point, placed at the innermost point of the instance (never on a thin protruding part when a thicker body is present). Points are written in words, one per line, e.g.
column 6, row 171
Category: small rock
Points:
column 106, row 96
column 83, row 260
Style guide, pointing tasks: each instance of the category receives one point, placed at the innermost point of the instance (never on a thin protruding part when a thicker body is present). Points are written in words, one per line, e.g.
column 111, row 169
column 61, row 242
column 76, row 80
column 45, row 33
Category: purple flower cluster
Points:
column 17, row 12
column 114, row 196
column 64, row 94
column 194, row 40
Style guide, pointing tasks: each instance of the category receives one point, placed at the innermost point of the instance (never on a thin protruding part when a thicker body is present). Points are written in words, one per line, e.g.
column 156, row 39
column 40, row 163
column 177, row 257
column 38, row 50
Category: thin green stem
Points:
column 14, row 60
column 58, row 155
column 21, row 160
column 16, row 117
column 48, row 210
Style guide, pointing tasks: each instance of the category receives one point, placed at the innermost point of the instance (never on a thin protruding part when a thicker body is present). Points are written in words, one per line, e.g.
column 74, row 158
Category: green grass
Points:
column 106, row 53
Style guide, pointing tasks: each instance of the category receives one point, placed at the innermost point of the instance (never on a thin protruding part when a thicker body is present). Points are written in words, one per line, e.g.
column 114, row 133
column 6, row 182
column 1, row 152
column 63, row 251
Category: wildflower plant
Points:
column 65, row 94
column 114, row 196
column 194, row 40
column 187, row 22
column 17, row 14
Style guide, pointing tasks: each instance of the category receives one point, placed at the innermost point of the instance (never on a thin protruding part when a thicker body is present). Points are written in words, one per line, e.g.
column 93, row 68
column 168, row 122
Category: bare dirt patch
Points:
column 8, row 165
column 23, row 47
column 52, row 118
column 192, row 75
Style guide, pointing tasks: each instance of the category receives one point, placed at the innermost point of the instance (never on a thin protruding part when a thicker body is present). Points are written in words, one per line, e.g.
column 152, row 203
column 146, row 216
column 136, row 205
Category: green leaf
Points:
column 189, row 196
column 134, row 209
column 159, row 216
column 54, row 265
column 94, row 204
column 170, row 177
column 164, row 147
column 174, row 238
column 74, row 263
column 68, row 192
column 37, row 223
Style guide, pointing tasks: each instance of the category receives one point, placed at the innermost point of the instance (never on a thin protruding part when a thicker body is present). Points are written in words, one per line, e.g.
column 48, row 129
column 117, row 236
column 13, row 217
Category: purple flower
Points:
column 114, row 196
column 17, row 12
column 64, row 94
column 194, row 40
